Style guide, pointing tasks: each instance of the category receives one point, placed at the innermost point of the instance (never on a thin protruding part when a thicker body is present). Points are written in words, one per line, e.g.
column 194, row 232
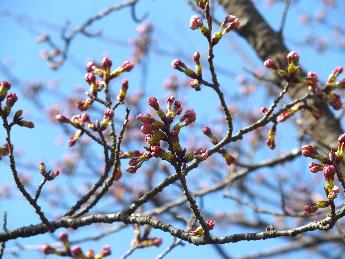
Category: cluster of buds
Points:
column 48, row 175
column 196, row 74
column 229, row 24
column 103, row 71
column 5, row 109
column 324, row 93
column 327, row 93
column 292, row 74
column 162, row 130
column 229, row 159
column 142, row 240
column 200, row 231
column 330, row 166
column 74, row 252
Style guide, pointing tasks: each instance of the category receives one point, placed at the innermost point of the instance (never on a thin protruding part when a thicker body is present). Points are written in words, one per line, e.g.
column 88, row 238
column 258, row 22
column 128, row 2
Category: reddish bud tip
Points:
column 293, row 57
column 152, row 101
column 195, row 22
column 269, row 63
column 106, row 62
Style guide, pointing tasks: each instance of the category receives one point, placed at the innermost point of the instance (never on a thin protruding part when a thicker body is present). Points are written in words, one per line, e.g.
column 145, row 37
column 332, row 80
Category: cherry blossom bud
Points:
column 146, row 118
column 207, row 131
column 230, row 18
column 309, row 151
column 233, row 25
column 188, row 117
column 195, row 22
column 109, row 114
column 5, row 84
column 90, row 253
column 11, row 99
column 152, row 101
column 333, row 193
column 196, row 57
column 329, row 172
column 312, row 78
column 75, row 138
column 269, row 63
column 47, row 249
column 90, row 78
column 177, row 64
column 90, row 66
column 293, row 57
column 264, row 109
column 63, row 237
column 76, row 251
column 106, row 250
column 106, row 63
column 123, row 92
column 127, row 66
column 314, row 167
column 310, row 208
column 201, row 154
column 4, row 87
column 210, row 224
column 195, row 84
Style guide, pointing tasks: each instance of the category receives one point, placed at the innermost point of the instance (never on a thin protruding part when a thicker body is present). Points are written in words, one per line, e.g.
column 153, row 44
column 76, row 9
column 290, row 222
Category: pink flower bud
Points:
column 106, row 62
column 196, row 57
column 47, row 249
column 89, row 66
column 312, row 78
column 264, row 109
column 5, row 84
column 157, row 242
column 230, row 18
column 152, row 101
column 145, row 118
column 195, row 22
column 90, row 78
column 314, row 167
column 329, row 172
column 309, row 151
column 63, row 237
column 207, row 131
column 177, row 64
column 210, row 224
column 76, row 251
column 293, row 57
column 269, row 63
column 11, row 99
column 62, row 118
column 109, row 114
column 310, row 208
column 127, row 66
column 106, row 250
column 188, row 117
column 201, row 154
